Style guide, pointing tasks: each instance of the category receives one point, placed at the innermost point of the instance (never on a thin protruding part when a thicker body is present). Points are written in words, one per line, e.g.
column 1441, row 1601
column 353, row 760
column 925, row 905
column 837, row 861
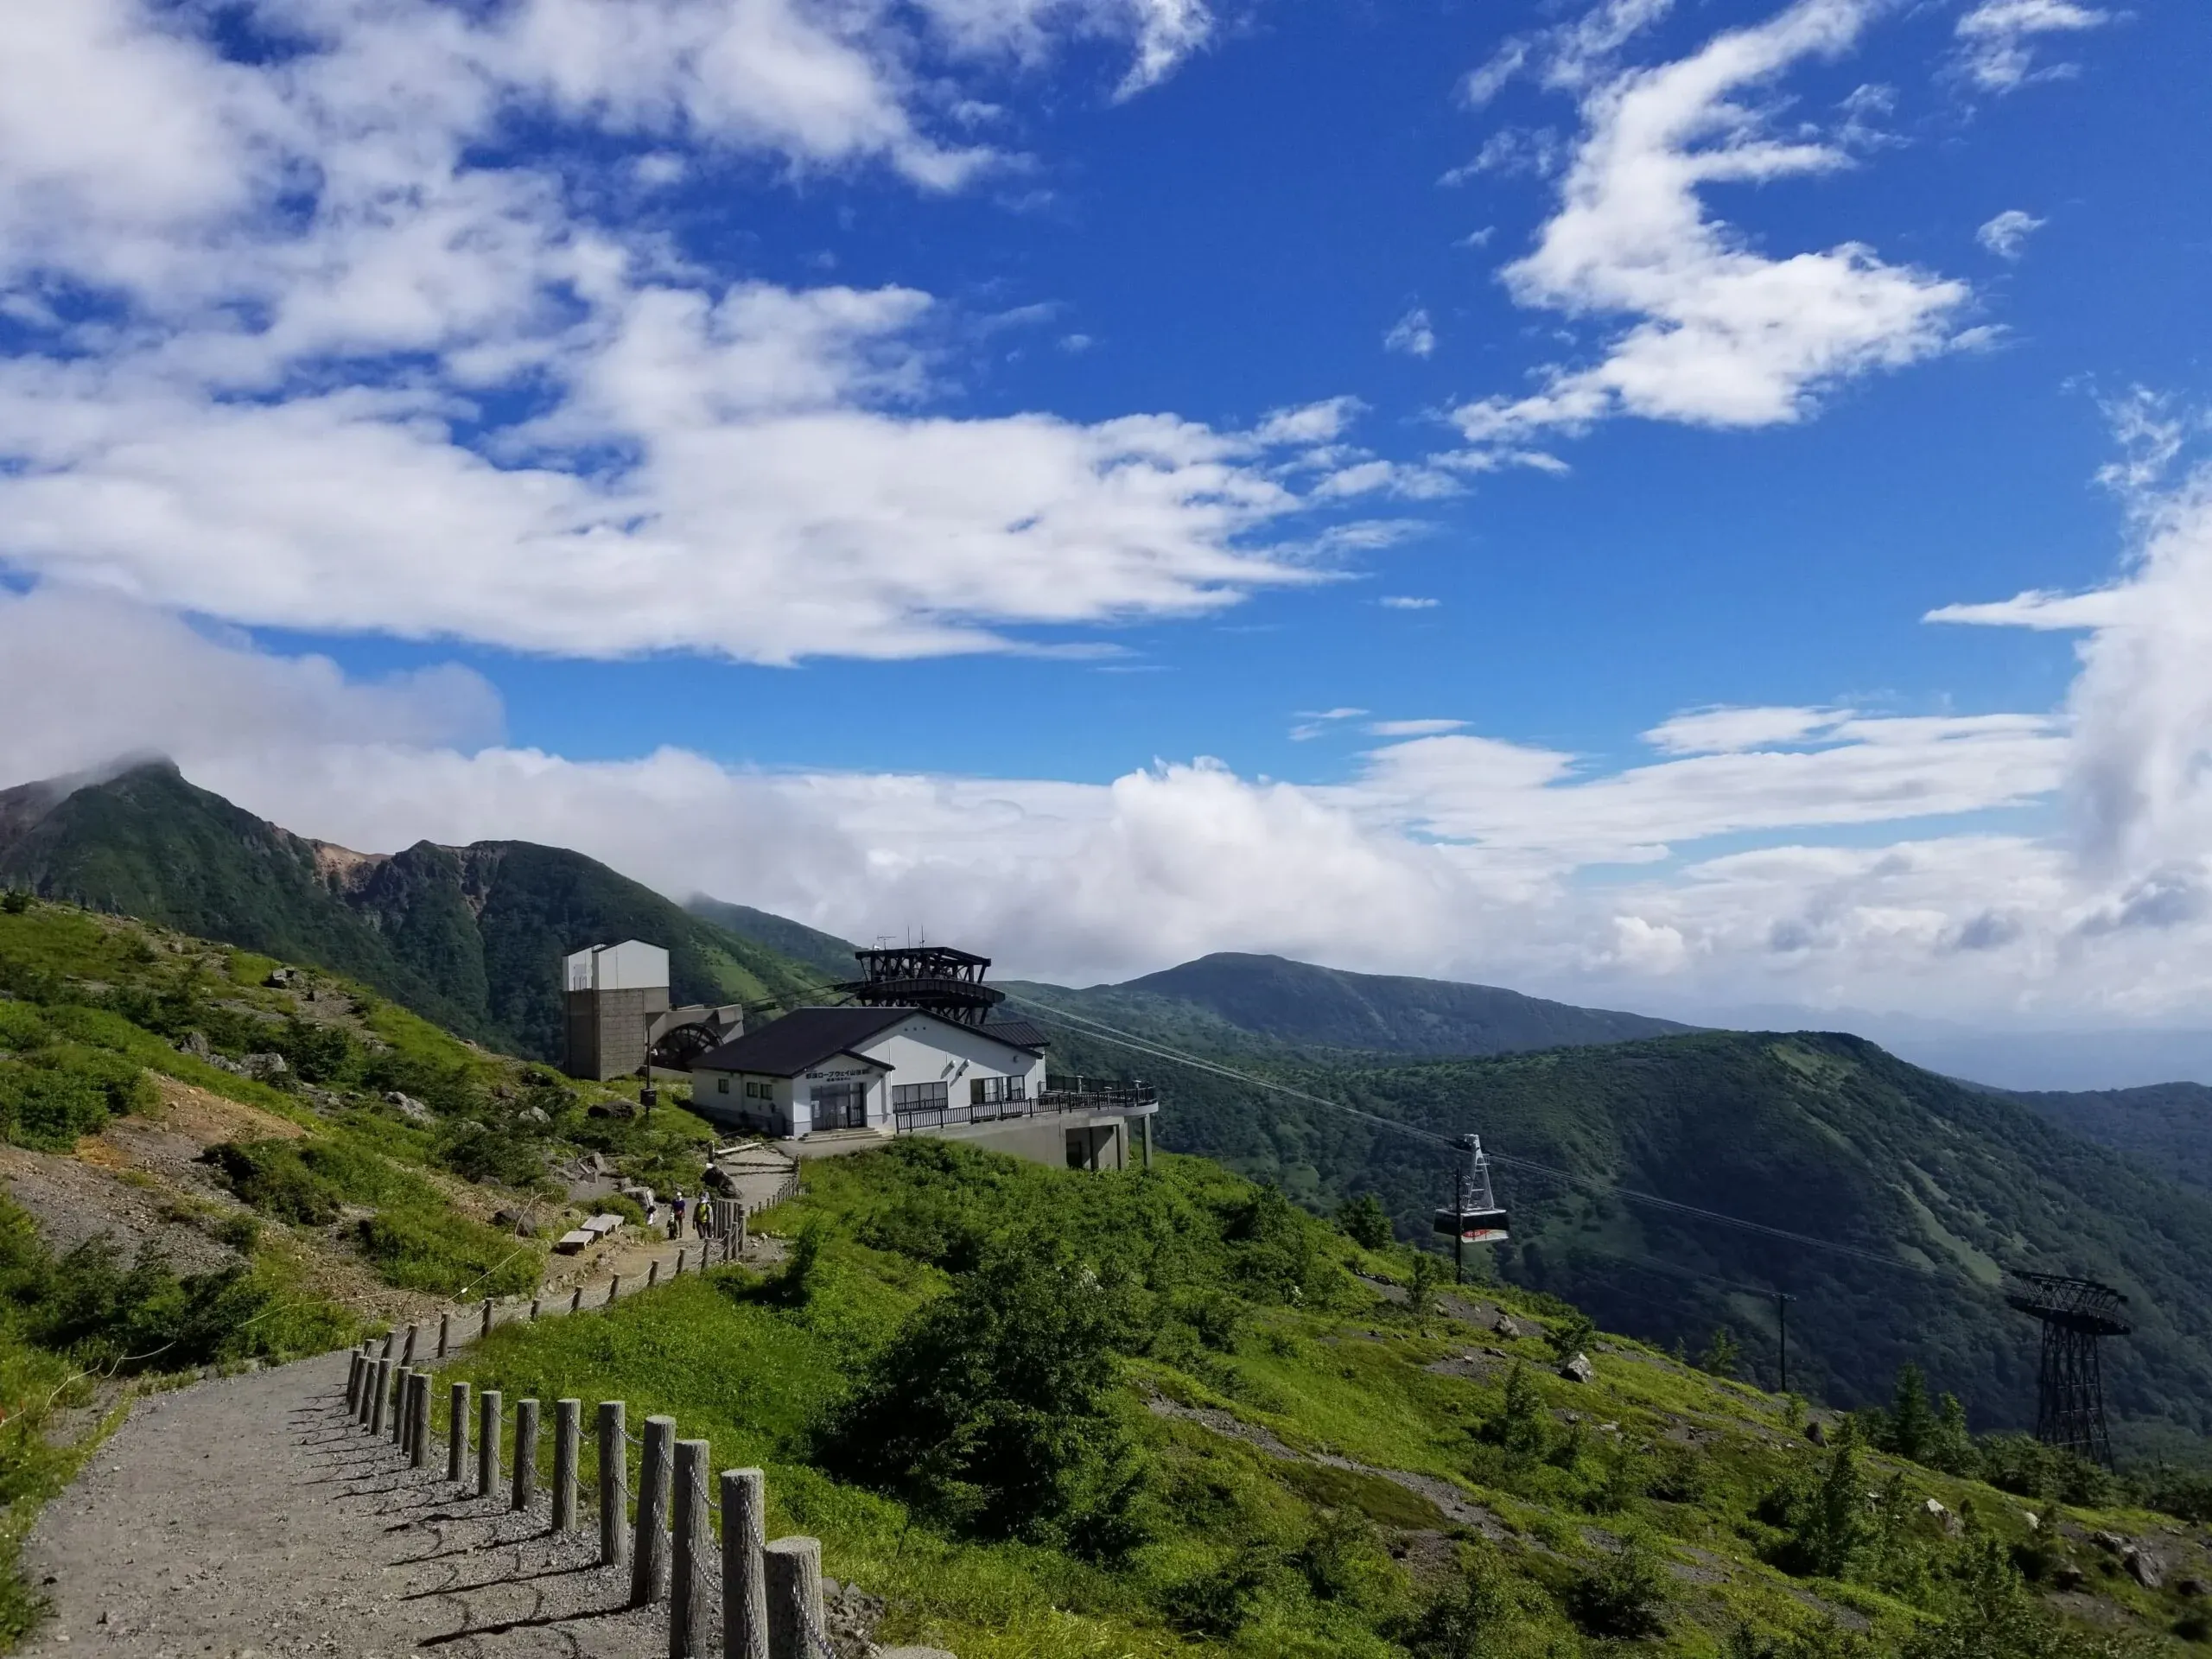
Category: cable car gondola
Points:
column 1473, row 1216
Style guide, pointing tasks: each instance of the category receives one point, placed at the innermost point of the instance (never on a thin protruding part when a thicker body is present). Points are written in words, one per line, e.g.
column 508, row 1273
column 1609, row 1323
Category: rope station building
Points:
column 918, row 1050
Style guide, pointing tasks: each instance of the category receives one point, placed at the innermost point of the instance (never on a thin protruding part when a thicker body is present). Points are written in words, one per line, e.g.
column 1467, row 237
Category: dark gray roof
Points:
column 802, row 1038
column 1023, row 1033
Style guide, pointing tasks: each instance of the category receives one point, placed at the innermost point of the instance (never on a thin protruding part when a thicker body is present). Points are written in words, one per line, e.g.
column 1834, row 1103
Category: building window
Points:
column 920, row 1097
column 722, row 1085
column 994, row 1091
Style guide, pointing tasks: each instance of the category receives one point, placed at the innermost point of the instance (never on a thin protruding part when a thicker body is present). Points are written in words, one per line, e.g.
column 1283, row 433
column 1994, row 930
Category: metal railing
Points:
column 1058, row 1096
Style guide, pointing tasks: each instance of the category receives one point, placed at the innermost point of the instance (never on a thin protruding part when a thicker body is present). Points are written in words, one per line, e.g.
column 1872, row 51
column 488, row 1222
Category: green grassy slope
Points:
column 1827, row 1135
column 471, row 938
column 1294, row 1463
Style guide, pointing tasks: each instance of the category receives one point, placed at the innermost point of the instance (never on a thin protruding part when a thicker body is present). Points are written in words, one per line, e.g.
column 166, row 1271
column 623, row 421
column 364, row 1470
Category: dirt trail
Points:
column 249, row 1516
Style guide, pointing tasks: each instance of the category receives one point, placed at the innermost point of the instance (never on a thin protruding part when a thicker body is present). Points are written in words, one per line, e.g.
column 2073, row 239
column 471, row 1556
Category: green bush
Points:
column 1366, row 1222
column 52, row 1096
column 1623, row 1596
column 992, row 1408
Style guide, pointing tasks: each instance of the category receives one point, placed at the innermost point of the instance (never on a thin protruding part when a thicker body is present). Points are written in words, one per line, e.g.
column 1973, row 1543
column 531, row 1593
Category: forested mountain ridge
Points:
column 470, row 937
column 1942, row 1186
column 1298, row 1002
column 2166, row 1127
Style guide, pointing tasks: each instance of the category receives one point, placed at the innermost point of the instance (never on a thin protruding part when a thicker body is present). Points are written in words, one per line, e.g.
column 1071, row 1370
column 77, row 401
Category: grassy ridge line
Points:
column 1295, row 1435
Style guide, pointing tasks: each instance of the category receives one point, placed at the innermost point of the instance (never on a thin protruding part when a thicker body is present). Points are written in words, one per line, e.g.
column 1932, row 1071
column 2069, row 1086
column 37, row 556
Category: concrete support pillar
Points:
column 457, row 1433
column 568, row 1442
column 694, row 1543
column 613, row 1485
column 649, row 1561
column 794, row 1577
column 526, row 1470
column 745, row 1591
column 487, row 1443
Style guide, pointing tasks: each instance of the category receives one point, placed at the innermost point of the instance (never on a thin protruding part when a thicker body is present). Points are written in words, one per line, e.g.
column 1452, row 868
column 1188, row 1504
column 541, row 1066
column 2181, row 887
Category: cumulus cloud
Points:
column 359, row 363
column 1412, row 335
column 1453, row 854
column 1718, row 334
column 2007, row 233
column 1998, row 39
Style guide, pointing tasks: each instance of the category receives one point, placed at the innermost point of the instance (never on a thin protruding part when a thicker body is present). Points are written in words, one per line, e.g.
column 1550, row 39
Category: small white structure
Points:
column 633, row 965
column 613, row 994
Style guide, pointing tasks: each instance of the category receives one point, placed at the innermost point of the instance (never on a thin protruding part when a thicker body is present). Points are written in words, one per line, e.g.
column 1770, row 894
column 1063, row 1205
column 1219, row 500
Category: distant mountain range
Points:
column 470, row 937
column 1819, row 1134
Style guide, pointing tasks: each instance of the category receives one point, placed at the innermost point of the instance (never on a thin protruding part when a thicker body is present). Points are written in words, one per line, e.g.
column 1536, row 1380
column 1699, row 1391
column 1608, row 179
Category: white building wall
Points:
column 927, row 1050
column 633, row 965
column 921, row 1049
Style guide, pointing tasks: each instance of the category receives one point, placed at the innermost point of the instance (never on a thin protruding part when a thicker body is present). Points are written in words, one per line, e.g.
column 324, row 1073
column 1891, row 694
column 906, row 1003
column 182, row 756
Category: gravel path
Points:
column 247, row 1516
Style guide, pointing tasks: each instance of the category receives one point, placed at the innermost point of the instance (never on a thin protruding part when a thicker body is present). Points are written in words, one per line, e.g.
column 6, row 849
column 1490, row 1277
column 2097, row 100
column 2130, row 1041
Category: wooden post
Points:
column 614, row 1486
column 533, row 1310
column 354, row 1381
column 680, row 1255
column 408, row 1357
column 457, row 1433
column 794, row 1579
column 363, row 1406
column 526, row 1453
column 613, row 1289
column 568, row 1436
column 687, row 1588
column 398, row 1431
column 576, row 1301
column 744, row 1594
column 649, row 1561
column 487, row 1316
column 418, row 1450
column 487, row 1443
column 445, row 1333
column 653, row 1273
column 380, row 1390
column 390, row 1341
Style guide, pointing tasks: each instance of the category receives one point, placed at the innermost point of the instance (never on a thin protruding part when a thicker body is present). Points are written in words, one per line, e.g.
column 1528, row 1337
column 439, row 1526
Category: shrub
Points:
column 273, row 1177
column 54, row 1095
column 992, row 1408
column 1366, row 1222
column 14, row 901
column 1623, row 1596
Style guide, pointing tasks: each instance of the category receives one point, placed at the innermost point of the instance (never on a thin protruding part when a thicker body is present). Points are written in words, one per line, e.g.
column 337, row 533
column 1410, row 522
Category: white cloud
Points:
column 1721, row 731
column 370, row 374
column 1407, row 602
column 1453, row 854
column 1411, row 335
column 1719, row 334
column 2007, row 233
column 1413, row 728
column 1997, row 38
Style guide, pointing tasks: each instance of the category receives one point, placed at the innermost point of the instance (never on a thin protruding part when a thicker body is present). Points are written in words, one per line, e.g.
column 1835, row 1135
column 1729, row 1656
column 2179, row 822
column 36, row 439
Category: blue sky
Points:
column 1020, row 467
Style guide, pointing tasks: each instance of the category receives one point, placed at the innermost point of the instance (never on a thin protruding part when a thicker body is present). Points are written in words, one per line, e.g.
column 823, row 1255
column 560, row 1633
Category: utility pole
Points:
column 1781, row 1301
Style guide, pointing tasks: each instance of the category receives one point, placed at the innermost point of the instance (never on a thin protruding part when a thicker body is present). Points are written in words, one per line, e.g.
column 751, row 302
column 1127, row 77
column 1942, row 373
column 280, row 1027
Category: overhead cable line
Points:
column 1144, row 1046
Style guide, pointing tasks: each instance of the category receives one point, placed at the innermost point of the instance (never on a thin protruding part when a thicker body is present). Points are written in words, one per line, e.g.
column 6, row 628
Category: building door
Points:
column 841, row 1105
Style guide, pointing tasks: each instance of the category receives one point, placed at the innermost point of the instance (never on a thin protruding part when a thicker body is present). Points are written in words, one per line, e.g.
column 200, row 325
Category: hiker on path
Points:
column 676, row 1217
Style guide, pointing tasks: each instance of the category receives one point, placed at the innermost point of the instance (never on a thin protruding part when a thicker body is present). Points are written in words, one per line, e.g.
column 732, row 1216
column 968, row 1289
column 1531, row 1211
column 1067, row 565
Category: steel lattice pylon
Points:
column 2075, row 1315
